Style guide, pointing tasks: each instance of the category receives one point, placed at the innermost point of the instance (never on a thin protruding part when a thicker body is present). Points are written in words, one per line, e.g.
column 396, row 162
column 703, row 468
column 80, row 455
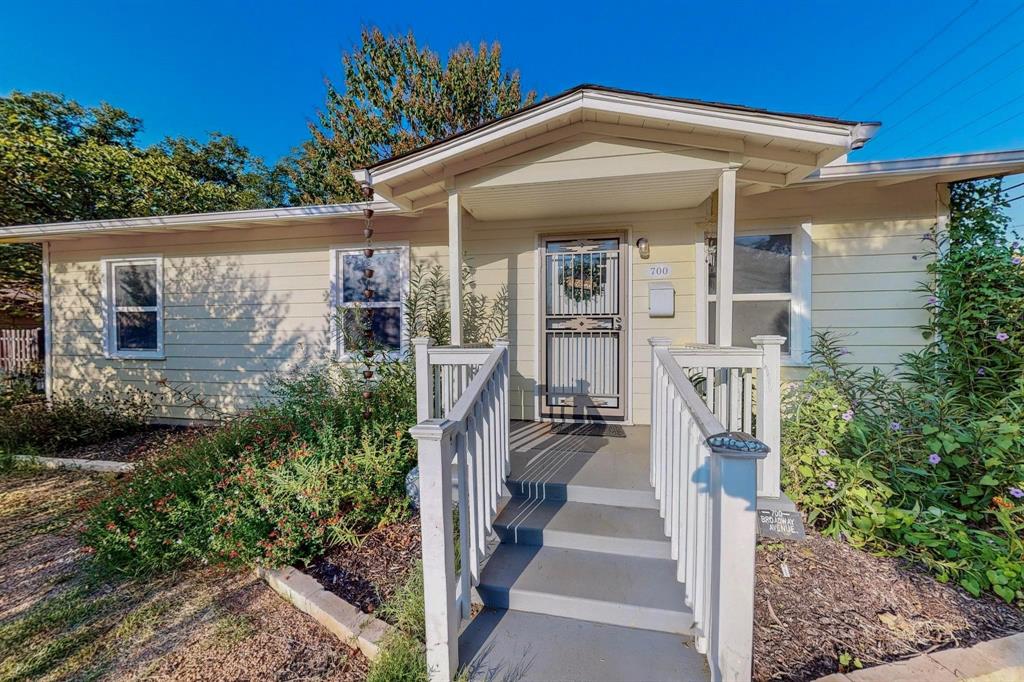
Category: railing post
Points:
column 424, row 379
column 657, row 423
column 734, row 519
column 769, row 413
column 440, row 610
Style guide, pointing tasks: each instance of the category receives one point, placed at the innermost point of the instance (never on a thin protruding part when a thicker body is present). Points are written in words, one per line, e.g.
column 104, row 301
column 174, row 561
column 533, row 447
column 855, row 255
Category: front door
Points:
column 583, row 342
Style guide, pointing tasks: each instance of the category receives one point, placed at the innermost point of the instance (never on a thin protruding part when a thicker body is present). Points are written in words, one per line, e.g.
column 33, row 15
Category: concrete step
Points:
column 634, row 592
column 531, row 647
column 589, row 527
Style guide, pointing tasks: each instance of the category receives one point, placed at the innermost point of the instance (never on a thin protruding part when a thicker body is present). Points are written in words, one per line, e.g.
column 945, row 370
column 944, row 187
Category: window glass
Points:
column 753, row 318
column 136, row 331
column 135, row 285
column 761, row 265
column 386, row 281
column 386, row 324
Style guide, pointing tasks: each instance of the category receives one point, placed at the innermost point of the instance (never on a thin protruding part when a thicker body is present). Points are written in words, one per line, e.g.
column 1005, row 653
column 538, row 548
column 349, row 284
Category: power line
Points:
column 981, row 36
column 975, row 120
column 960, row 82
column 1007, row 189
column 910, row 56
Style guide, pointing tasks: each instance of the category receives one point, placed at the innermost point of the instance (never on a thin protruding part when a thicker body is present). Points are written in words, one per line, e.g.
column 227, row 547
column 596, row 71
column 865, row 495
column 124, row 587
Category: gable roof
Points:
column 619, row 91
column 789, row 146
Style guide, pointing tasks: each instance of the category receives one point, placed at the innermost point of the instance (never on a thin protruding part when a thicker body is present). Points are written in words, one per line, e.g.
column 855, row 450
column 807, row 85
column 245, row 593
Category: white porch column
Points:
column 455, row 264
column 724, row 257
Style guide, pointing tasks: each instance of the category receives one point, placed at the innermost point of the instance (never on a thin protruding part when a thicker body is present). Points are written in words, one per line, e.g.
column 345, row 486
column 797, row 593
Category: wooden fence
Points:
column 21, row 350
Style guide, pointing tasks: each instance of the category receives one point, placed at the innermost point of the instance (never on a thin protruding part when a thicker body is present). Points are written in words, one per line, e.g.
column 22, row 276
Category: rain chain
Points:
column 366, row 319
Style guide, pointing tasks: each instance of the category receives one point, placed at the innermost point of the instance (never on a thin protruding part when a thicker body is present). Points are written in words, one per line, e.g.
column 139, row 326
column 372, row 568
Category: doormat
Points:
column 600, row 430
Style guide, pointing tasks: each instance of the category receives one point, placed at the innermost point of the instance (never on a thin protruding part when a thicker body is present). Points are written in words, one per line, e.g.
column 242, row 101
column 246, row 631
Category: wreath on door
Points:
column 583, row 279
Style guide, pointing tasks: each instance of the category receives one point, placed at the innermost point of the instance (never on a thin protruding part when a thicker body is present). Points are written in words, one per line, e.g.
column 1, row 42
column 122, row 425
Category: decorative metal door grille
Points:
column 583, row 344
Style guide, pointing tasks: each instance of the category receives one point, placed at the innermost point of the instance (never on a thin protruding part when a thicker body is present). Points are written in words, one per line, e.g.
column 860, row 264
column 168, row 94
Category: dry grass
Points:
column 60, row 621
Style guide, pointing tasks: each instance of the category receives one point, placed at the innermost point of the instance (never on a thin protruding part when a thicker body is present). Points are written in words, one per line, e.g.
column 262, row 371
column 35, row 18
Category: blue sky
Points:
column 255, row 69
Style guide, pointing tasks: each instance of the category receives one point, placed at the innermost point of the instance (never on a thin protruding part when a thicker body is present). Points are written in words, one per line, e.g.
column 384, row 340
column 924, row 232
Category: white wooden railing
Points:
column 462, row 404
column 742, row 388
column 708, row 499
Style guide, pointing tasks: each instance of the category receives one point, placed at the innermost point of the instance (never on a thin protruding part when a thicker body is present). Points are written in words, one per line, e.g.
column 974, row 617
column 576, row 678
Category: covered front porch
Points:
column 593, row 213
column 592, row 216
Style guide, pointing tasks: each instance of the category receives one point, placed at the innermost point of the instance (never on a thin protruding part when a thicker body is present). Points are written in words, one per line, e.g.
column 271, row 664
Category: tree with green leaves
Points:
column 397, row 96
column 61, row 161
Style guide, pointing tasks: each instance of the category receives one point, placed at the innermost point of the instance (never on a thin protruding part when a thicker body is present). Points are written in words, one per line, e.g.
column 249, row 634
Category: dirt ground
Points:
column 368, row 574
column 135, row 447
column 820, row 601
column 59, row 621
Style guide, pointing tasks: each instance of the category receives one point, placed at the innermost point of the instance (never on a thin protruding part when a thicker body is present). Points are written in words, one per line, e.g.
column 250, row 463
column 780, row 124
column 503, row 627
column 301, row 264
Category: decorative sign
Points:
column 780, row 524
column 659, row 270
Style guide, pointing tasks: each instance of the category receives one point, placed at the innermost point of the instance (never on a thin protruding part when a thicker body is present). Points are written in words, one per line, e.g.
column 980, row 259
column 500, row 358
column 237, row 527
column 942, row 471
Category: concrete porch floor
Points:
column 582, row 586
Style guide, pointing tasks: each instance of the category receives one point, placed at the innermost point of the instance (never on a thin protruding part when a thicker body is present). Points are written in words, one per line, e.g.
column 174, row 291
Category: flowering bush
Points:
column 271, row 488
column 929, row 463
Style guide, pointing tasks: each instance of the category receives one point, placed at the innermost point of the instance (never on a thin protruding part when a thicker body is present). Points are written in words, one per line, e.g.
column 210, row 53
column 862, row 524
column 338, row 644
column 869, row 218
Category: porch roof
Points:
column 771, row 148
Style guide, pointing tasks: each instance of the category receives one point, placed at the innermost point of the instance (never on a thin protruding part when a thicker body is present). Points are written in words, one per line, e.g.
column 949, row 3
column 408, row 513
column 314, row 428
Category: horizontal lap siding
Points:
column 866, row 288
column 867, row 262
column 240, row 307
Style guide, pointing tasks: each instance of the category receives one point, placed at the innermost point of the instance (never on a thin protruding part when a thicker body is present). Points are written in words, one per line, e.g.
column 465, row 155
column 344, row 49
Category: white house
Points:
column 630, row 232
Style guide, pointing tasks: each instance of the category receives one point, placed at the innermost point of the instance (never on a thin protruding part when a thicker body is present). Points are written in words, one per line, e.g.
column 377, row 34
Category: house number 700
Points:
column 659, row 270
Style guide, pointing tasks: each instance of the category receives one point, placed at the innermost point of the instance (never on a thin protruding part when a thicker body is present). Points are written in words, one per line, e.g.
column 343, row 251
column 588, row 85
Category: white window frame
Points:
column 110, row 307
column 336, row 288
column 799, row 294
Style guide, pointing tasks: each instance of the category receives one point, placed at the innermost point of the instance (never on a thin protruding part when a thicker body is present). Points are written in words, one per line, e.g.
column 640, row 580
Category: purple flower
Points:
column 822, row 452
column 934, row 458
column 895, row 426
column 1015, row 260
column 932, row 300
column 981, row 371
column 831, row 485
column 844, row 351
column 848, row 415
column 1002, row 336
column 1017, row 492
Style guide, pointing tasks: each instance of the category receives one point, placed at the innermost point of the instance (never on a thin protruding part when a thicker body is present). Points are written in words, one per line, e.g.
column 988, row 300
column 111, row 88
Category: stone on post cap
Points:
column 422, row 341
column 768, row 340
column 737, row 442
column 659, row 341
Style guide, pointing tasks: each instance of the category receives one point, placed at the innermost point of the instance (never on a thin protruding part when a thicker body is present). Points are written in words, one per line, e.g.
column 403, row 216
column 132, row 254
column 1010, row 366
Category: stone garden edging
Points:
column 346, row 622
column 997, row 660
column 94, row 465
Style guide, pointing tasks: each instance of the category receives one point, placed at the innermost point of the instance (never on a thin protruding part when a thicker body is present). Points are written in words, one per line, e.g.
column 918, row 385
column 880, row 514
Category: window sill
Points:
column 136, row 356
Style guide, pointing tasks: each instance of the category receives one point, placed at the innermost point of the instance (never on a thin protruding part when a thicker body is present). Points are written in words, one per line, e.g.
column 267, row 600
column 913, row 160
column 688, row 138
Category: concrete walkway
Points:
column 998, row 660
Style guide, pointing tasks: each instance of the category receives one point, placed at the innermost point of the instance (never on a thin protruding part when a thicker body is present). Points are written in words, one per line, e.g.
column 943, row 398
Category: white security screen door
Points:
column 583, row 344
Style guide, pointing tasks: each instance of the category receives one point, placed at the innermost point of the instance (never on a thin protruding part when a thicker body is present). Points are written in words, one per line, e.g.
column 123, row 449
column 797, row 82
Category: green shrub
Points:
column 929, row 463
column 271, row 488
column 38, row 429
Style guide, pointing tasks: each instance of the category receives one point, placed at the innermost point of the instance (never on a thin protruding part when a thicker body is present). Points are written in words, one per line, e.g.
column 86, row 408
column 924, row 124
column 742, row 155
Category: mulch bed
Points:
column 134, row 447
column 840, row 600
column 366, row 575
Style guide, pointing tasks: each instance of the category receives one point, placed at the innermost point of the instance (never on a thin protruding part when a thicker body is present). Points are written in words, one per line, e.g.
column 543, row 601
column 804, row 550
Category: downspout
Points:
column 47, row 326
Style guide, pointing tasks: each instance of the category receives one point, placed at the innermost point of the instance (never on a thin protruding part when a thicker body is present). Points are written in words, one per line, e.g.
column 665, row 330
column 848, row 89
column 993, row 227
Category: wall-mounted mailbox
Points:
column 661, row 299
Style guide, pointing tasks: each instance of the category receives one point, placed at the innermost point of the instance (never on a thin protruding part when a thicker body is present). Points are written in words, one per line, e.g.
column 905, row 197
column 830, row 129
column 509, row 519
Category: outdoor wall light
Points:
column 644, row 247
